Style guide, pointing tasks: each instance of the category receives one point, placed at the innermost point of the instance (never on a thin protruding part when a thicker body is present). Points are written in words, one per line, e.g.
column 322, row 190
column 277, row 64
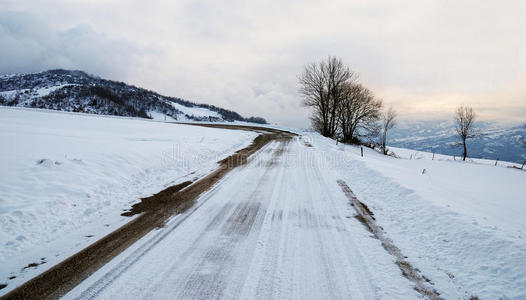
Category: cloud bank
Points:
column 423, row 57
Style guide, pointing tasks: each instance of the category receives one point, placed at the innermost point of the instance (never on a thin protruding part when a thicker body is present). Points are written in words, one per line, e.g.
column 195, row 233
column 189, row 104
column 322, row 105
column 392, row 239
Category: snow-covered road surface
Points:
column 278, row 227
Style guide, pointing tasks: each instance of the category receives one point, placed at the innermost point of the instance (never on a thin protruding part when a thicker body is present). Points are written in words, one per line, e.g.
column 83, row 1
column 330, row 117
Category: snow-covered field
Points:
column 462, row 223
column 66, row 178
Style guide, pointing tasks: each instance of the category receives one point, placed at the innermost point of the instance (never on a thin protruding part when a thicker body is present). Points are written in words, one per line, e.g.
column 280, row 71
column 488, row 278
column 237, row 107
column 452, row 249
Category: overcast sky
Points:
column 423, row 57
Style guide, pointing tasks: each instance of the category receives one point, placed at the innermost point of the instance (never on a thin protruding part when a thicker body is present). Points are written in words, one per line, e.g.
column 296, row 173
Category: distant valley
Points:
column 495, row 141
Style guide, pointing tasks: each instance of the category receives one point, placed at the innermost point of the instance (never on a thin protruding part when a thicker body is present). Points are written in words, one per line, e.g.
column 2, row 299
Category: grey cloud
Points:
column 31, row 45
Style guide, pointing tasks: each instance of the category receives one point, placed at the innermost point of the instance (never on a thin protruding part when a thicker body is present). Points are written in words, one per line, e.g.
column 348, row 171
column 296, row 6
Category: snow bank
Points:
column 462, row 223
column 66, row 177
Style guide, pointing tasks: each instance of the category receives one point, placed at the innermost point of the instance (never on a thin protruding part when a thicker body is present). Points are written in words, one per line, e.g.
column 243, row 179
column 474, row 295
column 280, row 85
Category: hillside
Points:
column 495, row 141
column 77, row 91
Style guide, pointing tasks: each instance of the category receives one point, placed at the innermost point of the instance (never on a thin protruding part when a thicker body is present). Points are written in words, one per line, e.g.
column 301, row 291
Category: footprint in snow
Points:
column 44, row 162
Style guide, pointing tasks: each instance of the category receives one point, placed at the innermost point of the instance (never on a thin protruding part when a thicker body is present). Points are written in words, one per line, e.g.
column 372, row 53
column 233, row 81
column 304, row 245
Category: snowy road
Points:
column 278, row 227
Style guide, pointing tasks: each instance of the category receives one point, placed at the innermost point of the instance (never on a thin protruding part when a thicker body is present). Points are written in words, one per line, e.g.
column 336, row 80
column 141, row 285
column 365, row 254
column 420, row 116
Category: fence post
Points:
column 496, row 162
column 361, row 150
column 433, row 156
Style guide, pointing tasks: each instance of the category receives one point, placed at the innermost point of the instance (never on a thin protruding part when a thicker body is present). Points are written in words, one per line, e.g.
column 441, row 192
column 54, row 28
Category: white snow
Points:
column 40, row 92
column 462, row 223
column 11, row 94
column 157, row 116
column 66, row 177
column 194, row 111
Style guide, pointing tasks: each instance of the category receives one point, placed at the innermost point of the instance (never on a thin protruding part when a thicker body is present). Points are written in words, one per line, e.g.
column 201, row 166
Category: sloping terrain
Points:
column 77, row 91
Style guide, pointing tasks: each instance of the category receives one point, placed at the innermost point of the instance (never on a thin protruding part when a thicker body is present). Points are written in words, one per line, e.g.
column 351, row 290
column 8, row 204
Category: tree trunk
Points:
column 384, row 142
column 465, row 154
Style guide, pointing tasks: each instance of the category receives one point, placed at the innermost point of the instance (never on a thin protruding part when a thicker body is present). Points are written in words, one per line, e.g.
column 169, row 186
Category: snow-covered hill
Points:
column 78, row 91
column 495, row 141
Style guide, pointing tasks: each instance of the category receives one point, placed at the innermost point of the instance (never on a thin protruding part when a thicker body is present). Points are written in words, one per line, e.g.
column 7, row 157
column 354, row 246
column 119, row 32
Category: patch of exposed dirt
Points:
column 33, row 265
column 153, row 212
column 423, row 285
column 152, row 202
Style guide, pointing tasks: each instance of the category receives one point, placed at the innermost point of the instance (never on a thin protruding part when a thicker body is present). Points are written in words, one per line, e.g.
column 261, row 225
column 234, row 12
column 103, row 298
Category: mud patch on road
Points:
column 365, row 216
column 276, row 156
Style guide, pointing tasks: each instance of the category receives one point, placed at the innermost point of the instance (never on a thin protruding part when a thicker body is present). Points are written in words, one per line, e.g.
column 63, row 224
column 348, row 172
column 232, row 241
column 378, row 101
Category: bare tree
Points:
column 358, row 113
column 313, row 87
column 464, row 119
column 339, row 77
column 388, row 122
column 322, row 85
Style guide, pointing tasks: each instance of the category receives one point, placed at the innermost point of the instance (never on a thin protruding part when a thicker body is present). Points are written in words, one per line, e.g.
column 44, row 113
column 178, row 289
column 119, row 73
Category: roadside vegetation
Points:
column 343, row 108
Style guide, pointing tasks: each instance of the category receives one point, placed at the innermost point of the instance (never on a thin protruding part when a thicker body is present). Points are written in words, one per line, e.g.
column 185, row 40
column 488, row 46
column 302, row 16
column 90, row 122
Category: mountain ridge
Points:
column 78, row 91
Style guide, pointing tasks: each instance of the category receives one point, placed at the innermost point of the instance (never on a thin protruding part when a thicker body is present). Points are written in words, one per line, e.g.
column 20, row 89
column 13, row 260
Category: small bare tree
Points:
column 388, row 122
column 464, row 119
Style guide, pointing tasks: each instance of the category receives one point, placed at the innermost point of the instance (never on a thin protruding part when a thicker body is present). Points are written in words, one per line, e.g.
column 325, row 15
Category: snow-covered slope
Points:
column 495, row 141
column 77, row 91
column 66, row 177
column 461, row 223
